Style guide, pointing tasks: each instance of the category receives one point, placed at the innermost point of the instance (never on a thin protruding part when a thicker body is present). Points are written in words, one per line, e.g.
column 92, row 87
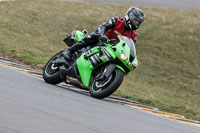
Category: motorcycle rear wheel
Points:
column 51, row 73
column 103, row 91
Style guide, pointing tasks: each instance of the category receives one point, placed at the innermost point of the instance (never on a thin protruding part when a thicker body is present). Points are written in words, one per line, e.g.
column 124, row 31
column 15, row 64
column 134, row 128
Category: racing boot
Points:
column 89, row 40
column 69, row 52
column 77, row 46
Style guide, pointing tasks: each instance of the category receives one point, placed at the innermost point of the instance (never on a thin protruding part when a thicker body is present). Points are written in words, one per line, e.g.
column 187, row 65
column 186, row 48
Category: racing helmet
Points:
column 134, row 18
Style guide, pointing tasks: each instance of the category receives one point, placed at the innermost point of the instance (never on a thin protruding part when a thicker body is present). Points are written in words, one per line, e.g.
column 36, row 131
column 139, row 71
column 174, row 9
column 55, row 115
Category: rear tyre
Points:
column 51, row 73
column 98, row 90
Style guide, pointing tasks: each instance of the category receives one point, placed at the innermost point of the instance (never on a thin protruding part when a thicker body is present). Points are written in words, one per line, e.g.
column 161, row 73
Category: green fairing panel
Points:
column 85, row 69
column 79, row 36
column 118, row 66
column 120, row 47
column 126, row 50
column 110, row 51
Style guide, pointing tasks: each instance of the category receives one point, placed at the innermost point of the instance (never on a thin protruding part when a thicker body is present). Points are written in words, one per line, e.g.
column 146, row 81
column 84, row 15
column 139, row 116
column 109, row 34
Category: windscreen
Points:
column 131, row 45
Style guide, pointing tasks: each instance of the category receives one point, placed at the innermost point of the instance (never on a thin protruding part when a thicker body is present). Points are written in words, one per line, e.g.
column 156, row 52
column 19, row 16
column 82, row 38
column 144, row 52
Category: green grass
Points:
column 168, row 76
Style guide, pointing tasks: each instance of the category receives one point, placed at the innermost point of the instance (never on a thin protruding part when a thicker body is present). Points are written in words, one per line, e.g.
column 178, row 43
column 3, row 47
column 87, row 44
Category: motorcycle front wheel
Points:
column 105, row 88
column 51, row 73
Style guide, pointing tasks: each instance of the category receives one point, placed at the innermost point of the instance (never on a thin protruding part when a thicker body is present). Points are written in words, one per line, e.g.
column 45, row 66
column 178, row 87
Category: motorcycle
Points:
column 99, row 68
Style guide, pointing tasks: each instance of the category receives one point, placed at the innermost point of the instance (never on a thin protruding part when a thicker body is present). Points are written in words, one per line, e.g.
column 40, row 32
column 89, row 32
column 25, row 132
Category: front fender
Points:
column 121, row 68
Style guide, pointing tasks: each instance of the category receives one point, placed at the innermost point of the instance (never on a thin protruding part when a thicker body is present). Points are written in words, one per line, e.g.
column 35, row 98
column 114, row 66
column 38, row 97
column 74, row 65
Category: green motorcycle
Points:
column 100, row 68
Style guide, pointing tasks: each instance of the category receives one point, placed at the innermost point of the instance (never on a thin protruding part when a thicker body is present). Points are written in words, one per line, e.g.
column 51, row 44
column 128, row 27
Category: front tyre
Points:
column 102, row 90
column 51, row 73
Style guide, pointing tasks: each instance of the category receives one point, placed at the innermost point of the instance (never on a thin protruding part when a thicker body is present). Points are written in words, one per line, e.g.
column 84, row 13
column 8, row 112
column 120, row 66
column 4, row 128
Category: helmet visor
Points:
column 136, row 22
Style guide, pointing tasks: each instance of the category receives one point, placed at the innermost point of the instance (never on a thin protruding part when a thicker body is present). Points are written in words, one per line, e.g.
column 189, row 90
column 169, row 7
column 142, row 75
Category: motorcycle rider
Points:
column 110, row 29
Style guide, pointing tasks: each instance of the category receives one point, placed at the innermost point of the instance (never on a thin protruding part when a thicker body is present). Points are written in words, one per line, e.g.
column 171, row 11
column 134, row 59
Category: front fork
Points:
column 106, row 73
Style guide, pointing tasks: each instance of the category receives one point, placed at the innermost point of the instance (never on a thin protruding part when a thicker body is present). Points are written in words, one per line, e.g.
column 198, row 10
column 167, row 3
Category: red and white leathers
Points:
column 116, row 26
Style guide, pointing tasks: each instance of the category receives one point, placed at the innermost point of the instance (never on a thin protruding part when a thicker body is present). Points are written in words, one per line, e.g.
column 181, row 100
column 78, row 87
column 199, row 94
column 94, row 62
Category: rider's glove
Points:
column 103, row 38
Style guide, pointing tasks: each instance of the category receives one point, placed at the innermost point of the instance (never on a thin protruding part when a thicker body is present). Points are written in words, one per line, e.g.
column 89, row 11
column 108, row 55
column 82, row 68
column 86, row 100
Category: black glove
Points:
column 103, row 38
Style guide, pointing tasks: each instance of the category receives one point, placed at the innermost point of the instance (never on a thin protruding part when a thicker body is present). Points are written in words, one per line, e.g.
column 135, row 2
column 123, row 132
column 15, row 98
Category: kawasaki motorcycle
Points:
column 99, row 68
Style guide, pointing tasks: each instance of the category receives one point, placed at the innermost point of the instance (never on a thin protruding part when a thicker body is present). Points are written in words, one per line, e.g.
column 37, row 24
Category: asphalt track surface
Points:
column 29, row 105
column 180, row 4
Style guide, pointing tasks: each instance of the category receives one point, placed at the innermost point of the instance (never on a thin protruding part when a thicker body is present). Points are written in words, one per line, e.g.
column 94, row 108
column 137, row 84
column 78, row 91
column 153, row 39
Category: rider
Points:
column 110, row 29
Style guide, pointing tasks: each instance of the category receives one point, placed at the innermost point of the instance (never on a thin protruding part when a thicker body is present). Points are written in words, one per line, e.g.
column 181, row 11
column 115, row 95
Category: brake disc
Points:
column 53, row 67
column 100, row 84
